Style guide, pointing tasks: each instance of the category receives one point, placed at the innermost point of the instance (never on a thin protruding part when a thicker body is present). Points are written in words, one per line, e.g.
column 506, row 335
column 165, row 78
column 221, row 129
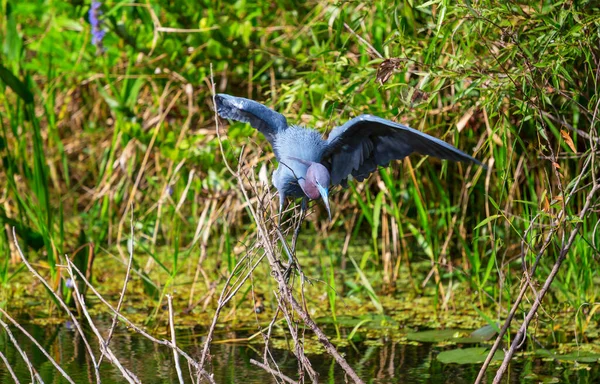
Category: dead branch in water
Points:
column 273, row 372
column 105, row 350
column 269, row 244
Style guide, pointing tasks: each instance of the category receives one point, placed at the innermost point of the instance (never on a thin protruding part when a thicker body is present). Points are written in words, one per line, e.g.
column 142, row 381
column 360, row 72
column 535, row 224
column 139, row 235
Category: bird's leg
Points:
column 288, row 268
column 303, row 207
column 292, row 264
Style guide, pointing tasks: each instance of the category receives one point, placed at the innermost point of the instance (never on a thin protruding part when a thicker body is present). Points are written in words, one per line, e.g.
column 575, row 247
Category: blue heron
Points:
column 309, row 165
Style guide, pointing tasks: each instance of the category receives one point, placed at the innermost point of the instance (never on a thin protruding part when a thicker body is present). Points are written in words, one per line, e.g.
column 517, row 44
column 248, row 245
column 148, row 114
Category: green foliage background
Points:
column 84, row 133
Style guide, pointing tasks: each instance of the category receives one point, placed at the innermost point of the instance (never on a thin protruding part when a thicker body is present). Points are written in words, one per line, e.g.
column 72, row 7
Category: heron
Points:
column 310, row 165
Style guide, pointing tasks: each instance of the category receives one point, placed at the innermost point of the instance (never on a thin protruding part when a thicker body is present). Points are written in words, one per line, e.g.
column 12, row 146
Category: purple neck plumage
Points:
column 315, row 183
column 316, row 178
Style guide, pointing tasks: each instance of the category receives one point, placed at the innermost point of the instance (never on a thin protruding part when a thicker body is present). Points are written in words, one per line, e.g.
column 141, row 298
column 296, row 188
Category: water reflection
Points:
column 383, row 362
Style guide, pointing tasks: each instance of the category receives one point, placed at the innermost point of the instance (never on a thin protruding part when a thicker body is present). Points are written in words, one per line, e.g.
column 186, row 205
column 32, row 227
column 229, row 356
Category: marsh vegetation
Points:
column 112, row 158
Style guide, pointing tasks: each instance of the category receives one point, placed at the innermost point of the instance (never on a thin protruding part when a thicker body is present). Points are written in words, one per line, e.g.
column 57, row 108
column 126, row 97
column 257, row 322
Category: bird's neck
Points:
column 310, row 189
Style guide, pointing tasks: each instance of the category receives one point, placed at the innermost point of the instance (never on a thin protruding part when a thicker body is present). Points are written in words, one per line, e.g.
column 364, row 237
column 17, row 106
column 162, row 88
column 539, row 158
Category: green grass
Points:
column 84, row 135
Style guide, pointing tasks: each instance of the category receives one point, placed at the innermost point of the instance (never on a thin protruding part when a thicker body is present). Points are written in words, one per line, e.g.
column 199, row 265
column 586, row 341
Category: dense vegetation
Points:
column 89, row 132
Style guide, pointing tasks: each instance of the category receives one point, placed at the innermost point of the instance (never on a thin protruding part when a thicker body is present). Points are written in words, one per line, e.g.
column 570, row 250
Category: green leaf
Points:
column 367, row 285
column 467, row 356
column 487, row 220
column 435, row 335
column 15, row 84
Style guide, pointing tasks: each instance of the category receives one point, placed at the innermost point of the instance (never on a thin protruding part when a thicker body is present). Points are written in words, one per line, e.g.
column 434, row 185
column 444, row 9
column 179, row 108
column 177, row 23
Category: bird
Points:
column 309, row 165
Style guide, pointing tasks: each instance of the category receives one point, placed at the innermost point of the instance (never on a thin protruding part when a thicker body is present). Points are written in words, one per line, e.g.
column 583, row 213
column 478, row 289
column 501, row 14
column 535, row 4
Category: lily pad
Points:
column 435, row 335
column 467, row 355
column 484, row 333
column 581, row 357
column 452, row 335
column 352, row 321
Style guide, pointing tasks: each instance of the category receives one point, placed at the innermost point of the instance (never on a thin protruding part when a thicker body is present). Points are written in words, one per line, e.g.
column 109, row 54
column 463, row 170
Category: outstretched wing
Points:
column 264, row 119
column 365, row 142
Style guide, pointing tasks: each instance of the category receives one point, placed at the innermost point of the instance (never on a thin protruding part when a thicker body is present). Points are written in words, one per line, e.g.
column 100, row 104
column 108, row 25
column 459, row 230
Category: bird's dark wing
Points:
column 365, row 142
column 266, row 120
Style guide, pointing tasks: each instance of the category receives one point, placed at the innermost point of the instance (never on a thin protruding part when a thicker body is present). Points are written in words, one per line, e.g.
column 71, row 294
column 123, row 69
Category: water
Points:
column 384, row 360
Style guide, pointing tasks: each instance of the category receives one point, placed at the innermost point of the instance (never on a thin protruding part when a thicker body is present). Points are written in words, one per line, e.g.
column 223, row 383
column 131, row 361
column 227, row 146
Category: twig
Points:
column 531, row 272
column 62, row 304
column 34, row 341
column 9, row 368
column 298, row 351
column 104, row 348
column 115, row 318
column 538, row 300
column 273, row 372
column 365, row 42
column 30, row 366
column 220, row 305
column 276, row 267
column 287, row 294
column 172, row 325
column 139, row 330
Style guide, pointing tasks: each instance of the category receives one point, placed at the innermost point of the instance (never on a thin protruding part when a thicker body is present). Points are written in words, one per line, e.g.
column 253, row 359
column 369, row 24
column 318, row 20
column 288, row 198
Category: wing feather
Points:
column 265, row 120
column 358, row 147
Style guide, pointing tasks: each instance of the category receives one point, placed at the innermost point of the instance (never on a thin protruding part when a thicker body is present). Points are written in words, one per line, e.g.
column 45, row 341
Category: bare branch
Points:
column 34, row 341
column 273, row 372
column 9, row 368
column 64, row 306
column 172, row 326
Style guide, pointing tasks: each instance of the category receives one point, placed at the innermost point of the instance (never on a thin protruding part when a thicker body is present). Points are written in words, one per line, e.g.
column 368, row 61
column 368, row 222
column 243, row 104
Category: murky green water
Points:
column 377, row 361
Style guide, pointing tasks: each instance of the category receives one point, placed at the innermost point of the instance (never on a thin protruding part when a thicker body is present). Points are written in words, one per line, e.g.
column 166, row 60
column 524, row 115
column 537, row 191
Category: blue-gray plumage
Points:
column 309, row 165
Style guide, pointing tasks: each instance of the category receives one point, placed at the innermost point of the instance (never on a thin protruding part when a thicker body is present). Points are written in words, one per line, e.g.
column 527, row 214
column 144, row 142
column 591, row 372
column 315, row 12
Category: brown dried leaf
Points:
column 545, row 204
column 386, row 69
column 568, row 140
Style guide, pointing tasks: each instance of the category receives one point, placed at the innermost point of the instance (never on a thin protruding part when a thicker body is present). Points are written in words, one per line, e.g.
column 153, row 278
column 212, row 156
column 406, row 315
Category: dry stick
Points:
column 9, row 368
column 277, row 273
column 501, row 334
column 104, row 348
column 284, row 289
column 139, row 330
column 244, row 279
column 299, row 352
column 273, row 372
column 175, row 354
column 267, row 339
column 531, row 273
column 320, row 334
column 30, row 366
column 538, row 300
column 522, row 332
column 240, row 181
column 224, row 298
column 115, row 318
column 220, row 305
column 62, row 304
column 514, row 308
column 34, row 341
column 365, row 42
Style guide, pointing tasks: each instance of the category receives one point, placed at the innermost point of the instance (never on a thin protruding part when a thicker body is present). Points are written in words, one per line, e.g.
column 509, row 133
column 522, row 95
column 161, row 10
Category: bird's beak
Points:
column 324, row 192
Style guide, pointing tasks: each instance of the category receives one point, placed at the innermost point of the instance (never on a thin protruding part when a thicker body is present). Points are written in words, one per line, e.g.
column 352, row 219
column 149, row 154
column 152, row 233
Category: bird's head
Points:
column 316, row 184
